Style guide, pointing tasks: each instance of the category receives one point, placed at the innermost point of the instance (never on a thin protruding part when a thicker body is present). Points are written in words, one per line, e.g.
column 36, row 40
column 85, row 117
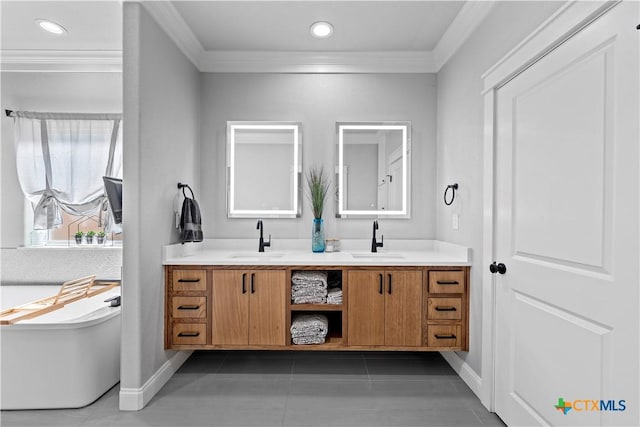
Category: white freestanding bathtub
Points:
column 63, row 359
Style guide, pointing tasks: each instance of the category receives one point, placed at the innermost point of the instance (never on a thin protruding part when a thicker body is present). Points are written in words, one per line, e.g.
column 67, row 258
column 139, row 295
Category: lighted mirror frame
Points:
column 296, row 203
column 405, row 128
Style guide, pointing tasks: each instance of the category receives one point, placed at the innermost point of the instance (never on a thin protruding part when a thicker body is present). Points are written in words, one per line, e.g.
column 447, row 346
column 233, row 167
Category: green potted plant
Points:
column 101, row 237
column 89, row 236
column 318, row 183
column 78, row 237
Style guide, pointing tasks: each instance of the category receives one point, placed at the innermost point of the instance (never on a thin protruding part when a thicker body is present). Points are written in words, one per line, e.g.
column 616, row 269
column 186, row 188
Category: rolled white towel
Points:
column 334, row 296
column 311, row 324
column 308, row 340
column 306, row 292
column 309, row 300
column 309, row 277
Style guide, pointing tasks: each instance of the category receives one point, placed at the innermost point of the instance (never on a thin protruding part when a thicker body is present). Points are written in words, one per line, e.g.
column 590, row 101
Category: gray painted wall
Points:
column 460, row 137
column 318, row 101
column 161, row 139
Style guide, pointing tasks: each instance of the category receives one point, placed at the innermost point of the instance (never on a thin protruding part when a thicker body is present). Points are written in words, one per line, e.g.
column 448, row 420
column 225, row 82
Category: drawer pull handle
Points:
column 189, row 334
column 188, row 307
column 445, row 337
column 380, row 288
column 445, row 309
column 188, row 280
column 390, row 279
column 244, row 288
column 447, row 282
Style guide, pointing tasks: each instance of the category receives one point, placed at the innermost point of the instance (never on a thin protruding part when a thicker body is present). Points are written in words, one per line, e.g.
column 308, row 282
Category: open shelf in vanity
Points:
column 334, row 313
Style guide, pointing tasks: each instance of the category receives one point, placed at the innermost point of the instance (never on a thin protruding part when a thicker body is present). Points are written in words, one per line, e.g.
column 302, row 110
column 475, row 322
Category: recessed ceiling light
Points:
column 51, row 26
column 321, row 30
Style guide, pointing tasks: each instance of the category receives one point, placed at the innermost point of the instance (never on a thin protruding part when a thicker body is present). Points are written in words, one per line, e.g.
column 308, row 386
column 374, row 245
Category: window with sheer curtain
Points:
column 61, row 159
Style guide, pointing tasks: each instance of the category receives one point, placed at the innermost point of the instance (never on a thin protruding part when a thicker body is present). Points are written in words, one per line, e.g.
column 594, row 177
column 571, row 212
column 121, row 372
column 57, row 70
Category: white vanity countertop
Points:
column 298, row 252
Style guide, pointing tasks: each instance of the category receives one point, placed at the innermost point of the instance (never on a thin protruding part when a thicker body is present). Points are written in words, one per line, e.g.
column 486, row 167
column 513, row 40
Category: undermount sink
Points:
column 376, row 255
column 256, row 255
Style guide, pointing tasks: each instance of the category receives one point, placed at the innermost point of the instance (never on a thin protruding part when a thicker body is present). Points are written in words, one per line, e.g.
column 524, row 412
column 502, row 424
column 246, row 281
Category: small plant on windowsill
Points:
column 78, row 236
column 89, row 236
column 101, row 237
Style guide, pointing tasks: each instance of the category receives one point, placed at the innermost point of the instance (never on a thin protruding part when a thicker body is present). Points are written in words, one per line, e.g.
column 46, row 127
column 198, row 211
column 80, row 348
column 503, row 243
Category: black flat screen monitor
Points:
column 113, row 188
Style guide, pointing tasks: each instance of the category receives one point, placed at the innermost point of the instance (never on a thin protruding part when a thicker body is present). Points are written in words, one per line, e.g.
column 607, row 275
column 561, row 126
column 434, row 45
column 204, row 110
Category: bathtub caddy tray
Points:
column 69, row 292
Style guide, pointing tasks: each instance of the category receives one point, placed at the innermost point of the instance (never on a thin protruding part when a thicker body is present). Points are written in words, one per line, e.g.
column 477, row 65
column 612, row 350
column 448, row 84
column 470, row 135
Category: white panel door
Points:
column 566, row 222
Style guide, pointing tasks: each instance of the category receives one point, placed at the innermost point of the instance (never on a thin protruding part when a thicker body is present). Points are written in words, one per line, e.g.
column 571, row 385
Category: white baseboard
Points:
column 464, row 371
column 134, row 399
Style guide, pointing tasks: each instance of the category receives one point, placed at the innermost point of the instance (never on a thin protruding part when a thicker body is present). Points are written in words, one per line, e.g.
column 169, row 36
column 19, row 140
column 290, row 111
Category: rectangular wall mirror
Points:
column 263, row 169
column 373, row 169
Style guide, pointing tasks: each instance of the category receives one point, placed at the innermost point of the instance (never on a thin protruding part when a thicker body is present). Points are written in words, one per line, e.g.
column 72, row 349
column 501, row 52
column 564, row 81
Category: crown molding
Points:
column 170, row 20
column 174, row 25
column 317, row 62
column 473, row 12
column 99, row 61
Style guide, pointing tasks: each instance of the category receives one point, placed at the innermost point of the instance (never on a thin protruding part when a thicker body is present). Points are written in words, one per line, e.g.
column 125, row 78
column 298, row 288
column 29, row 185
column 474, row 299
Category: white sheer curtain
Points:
column 61, row 159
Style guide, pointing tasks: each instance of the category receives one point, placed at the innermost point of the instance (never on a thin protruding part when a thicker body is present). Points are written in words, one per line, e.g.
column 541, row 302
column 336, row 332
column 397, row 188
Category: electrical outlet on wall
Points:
column 455, row 223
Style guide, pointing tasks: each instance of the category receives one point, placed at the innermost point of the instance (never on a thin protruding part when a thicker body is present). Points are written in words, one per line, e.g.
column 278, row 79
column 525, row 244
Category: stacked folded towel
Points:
column 334, row 296
column 309, row 287
column 309, row 329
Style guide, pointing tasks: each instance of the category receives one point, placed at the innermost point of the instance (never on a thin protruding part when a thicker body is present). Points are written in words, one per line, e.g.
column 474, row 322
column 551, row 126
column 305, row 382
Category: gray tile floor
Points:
column 262, row 388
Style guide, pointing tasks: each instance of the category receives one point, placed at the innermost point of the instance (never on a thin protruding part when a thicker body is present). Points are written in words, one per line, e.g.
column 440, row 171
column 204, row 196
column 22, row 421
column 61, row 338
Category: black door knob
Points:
column 497, row 268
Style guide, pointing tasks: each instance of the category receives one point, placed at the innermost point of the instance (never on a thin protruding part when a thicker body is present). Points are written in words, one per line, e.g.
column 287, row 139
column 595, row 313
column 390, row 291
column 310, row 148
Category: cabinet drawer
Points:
column 189, row 280
column 446, row 282
column 444, row 308
column 189, row 307
column 189, row 333
column 444, row 336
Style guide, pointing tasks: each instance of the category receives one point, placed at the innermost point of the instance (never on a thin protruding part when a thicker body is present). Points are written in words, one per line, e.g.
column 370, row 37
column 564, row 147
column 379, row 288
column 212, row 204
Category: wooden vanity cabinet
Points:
column 248, row 307
column 384, row 308
column 445, row 322
column 188, row 314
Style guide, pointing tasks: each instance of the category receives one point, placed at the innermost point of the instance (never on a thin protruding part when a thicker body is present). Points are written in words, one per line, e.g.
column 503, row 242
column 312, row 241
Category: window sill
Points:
column 117, row 246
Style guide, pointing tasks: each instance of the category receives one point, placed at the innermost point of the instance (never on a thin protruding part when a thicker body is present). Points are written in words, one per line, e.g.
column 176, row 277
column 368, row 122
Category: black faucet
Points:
column 374, row 243
column 262, row 243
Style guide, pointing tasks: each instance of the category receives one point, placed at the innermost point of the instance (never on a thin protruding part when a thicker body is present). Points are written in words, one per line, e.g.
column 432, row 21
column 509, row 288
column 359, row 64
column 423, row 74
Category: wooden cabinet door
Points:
column 231, row 307
column 366, row 307
column 403, row 308
column 267, row 290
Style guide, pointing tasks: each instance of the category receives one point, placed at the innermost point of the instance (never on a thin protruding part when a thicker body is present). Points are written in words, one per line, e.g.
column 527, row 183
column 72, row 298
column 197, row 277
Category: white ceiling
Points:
column 249, row 36
column 91, row 25
column 284, row 25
